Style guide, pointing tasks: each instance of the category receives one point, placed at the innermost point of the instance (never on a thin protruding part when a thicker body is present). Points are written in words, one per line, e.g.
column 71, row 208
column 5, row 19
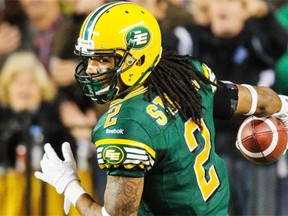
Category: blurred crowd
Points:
column 245, row 41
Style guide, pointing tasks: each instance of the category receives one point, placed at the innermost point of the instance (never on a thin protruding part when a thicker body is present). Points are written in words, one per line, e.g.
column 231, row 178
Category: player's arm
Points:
column 257, row 100
column 234, row 99
column 262, row 101
column 122, row 194
column 122, row 197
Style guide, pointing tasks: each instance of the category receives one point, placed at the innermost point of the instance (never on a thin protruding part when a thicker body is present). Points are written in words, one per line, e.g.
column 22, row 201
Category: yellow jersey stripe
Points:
column 132, row 94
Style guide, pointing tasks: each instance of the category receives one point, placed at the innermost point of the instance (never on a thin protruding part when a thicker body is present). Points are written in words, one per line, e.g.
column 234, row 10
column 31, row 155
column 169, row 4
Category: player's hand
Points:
column 60, row 174
column 283, row 113
column 10, row 38
column 284, row 119
column 56, row 172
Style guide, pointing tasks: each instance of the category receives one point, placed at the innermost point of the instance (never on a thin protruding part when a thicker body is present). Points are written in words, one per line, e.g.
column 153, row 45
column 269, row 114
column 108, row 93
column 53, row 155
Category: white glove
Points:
column 56, row 172
column 283, row 118
column 283, row 113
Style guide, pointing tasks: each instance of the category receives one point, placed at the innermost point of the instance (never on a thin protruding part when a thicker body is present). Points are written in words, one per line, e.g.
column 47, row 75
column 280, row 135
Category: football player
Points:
column 156, row 141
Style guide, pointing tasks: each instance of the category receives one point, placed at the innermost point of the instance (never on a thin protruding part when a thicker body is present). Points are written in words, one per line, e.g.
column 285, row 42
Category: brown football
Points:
column 262, row 140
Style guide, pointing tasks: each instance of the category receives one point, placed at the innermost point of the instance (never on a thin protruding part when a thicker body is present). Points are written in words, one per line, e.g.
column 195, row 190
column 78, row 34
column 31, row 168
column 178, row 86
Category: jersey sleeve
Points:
column 122, row 149
column 205, row 70
column 208, row 73
column 225, row 93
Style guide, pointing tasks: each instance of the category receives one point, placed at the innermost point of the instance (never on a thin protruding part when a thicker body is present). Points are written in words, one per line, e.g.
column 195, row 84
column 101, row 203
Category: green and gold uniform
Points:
column 183, row 174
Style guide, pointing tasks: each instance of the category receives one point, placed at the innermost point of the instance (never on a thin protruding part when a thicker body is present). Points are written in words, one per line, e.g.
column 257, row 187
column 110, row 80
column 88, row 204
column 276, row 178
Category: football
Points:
column 262, row 140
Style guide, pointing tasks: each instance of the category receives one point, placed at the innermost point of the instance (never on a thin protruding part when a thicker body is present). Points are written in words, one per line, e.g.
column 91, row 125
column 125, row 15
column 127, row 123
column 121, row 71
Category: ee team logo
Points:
column 140, row 36
column 113, row 155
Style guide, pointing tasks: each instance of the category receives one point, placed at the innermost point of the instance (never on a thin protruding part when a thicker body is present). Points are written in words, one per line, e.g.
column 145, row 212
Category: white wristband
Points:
column 254, row 96
column 284, row 106
column 73, row 191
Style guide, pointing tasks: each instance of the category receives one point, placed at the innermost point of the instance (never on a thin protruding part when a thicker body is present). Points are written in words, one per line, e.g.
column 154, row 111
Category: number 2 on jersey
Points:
column 111, row 119
column 209, row 184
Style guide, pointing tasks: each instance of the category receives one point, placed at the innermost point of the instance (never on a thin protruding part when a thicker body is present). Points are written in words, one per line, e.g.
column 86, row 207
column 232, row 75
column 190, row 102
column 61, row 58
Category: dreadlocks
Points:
column 171, row 80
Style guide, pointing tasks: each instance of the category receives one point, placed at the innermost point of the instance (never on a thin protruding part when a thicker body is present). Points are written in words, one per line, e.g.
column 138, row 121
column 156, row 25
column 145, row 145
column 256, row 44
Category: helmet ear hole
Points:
column 141, row 61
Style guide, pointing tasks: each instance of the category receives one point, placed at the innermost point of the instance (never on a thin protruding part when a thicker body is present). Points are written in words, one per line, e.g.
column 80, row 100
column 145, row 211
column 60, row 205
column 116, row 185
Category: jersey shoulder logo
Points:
column 113, row 155
column 140, row 36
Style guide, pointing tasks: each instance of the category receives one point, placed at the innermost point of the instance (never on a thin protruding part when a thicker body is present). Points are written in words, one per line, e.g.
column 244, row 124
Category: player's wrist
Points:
column 73, row 191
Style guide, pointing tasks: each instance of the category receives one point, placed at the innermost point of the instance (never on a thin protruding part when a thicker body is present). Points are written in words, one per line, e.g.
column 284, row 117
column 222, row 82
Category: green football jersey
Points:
column 183, row 174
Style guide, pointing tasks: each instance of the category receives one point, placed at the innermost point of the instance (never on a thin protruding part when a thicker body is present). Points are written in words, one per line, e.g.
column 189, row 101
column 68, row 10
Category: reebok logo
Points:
column 114, row 131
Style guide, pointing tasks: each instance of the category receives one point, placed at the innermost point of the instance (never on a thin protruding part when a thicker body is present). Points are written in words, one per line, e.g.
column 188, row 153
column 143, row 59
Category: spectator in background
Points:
column 27, row 91
column 28, row 118
column 11, row 25
column 175, row 21
column 244, row 33
column 10, row 37
column 43, row 19
column 199, row 11
column 199, row 28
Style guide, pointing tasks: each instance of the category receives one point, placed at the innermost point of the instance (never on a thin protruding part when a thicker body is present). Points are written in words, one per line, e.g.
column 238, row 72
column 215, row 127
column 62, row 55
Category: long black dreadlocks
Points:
column 171, row 80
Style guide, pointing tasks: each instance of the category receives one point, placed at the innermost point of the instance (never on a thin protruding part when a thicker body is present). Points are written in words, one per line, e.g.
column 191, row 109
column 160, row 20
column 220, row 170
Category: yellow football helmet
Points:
column 125, row 31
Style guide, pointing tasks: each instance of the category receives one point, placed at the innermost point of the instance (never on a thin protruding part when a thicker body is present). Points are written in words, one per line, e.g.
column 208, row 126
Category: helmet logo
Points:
column 140, row 37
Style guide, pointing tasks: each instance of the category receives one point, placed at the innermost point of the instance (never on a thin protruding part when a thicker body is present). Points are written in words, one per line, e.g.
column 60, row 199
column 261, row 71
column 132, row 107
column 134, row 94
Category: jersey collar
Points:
column 138, row 91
